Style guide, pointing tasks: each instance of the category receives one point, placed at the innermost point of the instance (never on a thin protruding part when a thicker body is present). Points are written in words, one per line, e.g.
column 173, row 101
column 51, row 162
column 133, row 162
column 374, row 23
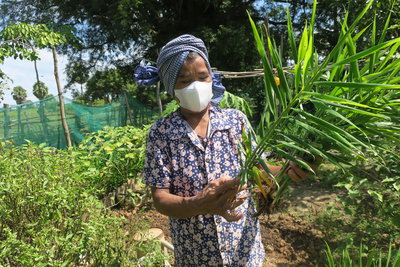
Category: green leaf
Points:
column 366, row 52
column 375, row 195
column 292, row 41
column 286, row 155
column 329, row 126
column 355, row 110
column 303, row 45
column 367, row 86
column 268, row 74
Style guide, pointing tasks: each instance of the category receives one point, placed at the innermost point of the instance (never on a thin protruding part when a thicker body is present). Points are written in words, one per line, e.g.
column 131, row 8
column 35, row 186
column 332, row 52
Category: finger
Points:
column 237, row 202
column 228, row 184
column 232, row 216
column 293, row 175
column 228, row 196
column 302, row 174
column 241, row 188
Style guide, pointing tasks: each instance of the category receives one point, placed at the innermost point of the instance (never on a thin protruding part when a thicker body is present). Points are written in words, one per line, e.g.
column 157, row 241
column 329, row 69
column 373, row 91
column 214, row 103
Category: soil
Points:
column 289, row 235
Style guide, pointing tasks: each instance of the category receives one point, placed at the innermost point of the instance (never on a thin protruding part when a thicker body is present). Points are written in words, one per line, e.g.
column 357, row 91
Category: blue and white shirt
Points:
column 176, row 159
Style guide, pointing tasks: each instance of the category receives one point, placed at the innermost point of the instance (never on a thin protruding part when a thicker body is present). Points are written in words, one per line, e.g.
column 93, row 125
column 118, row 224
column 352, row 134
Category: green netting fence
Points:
column 40, row 122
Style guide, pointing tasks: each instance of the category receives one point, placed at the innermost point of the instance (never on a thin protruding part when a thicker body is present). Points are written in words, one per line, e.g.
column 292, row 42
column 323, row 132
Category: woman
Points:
column 192, row 161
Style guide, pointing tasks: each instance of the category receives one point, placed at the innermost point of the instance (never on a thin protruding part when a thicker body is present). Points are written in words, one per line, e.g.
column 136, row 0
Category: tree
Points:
column 20, row 40
column 19, row 94
column 123, row 33
column 76, row 73
column 40, row 90
column 106, row 85
column 3, row 84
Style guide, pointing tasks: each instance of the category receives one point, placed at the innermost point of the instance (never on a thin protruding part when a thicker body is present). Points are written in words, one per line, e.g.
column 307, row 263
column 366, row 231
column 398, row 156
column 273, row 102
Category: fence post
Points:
column 6, row 120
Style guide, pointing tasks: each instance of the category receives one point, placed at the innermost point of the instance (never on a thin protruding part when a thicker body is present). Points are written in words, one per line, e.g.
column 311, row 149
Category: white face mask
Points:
column 196, row 96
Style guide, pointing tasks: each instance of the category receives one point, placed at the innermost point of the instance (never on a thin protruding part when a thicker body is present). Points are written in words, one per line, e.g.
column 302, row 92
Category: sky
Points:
column 22, row 73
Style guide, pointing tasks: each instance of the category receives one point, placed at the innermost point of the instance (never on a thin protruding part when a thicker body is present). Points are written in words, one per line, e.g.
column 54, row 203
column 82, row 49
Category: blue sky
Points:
column 22, row 73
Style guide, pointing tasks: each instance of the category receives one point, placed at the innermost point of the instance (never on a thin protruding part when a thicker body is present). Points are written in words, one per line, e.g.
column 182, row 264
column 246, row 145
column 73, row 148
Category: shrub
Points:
column 112, row 156
column 49, row 217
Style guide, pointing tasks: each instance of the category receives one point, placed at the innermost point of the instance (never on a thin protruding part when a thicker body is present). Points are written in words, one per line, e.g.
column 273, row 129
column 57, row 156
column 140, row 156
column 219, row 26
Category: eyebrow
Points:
column 201, row 73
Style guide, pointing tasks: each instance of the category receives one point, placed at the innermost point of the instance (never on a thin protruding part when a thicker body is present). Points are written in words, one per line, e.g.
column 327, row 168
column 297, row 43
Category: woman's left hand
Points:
column 298, row 174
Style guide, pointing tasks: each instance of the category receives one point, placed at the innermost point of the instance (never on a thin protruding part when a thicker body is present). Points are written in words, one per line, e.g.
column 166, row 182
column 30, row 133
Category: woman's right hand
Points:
column 219, row 198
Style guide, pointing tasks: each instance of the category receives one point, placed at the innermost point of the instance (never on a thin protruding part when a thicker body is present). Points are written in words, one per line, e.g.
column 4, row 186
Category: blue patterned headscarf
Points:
column 170, row 61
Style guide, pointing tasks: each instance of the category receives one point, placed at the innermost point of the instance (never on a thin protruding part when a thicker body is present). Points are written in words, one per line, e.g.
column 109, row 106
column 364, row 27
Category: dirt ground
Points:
column 289, row 235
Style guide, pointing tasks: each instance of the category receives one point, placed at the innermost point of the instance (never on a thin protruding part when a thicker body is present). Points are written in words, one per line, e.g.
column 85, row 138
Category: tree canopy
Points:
column 137, row 29
column 122, row 33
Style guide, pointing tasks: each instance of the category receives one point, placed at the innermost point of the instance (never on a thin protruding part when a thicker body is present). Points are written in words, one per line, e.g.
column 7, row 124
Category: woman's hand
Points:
column 219, row 198
column 298, row 174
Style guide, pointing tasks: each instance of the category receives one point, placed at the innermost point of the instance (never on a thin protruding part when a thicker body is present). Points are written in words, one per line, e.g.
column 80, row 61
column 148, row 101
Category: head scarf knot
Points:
column 170, row 61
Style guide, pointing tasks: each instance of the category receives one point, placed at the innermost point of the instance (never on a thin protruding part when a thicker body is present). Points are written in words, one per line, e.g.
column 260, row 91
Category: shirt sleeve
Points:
column 157, row 170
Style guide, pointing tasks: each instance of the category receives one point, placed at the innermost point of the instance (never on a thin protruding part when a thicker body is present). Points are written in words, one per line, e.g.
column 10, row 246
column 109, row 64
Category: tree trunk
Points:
column 36, row 71
column 60, row 97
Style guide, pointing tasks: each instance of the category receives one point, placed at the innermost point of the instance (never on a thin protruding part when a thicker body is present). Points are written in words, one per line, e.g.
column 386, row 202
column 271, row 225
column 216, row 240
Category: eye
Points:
column 204, row 78
column 183, row 81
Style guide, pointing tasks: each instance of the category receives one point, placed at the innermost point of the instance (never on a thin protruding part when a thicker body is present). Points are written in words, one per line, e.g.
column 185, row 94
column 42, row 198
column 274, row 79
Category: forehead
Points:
column 193, row 66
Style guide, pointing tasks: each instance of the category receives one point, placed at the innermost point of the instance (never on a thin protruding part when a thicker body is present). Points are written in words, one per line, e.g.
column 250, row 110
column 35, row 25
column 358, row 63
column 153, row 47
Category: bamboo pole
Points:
column 60, row 97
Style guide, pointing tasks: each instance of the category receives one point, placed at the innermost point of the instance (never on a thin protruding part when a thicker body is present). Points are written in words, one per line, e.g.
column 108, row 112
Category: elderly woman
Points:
column 192, row 161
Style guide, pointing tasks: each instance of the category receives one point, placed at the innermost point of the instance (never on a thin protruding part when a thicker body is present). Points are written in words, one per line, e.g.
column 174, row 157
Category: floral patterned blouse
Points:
column 176, row 159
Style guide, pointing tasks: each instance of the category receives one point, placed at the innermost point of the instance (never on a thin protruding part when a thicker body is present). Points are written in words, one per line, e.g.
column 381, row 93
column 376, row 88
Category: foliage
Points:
column 49, row 215
column 372, row 258
column 368, row 208
column 146, row 24
column 342, row 107
column 123, row 33
column 40, row 90
column 374, row 190
column 112, row 156
column 3, row 83
column 170, row 107
column 104, row 85
column 236, row 102
column 327, row 20
column 19, row 94
column 19, row 40
column 77, row 73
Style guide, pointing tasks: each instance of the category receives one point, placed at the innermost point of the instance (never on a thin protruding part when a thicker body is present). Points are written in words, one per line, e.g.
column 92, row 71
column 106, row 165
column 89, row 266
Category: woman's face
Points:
column 191, row 71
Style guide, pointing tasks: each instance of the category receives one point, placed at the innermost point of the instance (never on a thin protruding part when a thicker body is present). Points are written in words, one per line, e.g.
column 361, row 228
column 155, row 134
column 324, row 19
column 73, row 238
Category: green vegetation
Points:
column 335, row 111
column 361, row 259
column 338, row 100
column 341, row 109
column 19, row 94
column 112, row 156
column 50, row 213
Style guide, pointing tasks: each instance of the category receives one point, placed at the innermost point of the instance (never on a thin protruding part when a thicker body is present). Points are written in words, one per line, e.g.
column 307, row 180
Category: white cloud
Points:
column 22, row 73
